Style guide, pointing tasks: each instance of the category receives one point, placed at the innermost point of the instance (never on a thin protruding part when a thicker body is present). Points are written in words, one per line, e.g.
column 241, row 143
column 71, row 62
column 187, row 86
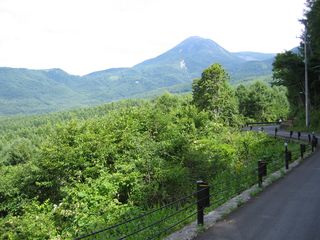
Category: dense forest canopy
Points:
column 68, row 173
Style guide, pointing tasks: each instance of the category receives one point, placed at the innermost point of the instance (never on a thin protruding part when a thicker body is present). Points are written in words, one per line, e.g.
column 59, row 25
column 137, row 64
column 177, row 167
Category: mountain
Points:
column 191, row 56
column 194, row 54
column 254, row 56
column 28, row 91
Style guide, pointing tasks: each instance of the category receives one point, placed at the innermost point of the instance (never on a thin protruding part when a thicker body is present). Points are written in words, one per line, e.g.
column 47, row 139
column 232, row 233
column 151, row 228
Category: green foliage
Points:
column 67, row 174
column 312, row 16
column 18, row 152
column 288, row 71
column 288, row 68
column 37, row 222
column 312, row 23
column 299, row 122
column 213, row 93
column 261, row 102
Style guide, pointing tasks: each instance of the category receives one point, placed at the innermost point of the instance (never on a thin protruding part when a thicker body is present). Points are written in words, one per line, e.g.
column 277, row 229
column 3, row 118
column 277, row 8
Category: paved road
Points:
column 271, row 131
column 287, row 210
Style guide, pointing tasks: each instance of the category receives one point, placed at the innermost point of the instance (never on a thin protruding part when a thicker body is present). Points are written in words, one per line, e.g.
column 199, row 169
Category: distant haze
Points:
column 82, row 36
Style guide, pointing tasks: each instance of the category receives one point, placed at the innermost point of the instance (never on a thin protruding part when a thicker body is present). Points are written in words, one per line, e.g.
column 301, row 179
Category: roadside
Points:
column 191, row 231
column 288, row 209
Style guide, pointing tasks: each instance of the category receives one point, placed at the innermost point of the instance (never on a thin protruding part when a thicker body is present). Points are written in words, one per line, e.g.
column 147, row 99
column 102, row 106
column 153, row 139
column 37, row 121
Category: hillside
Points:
column 25, row 91
column 66, row 174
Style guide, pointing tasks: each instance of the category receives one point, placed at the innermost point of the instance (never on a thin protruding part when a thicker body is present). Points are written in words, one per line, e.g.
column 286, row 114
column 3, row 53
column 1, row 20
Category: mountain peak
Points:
column 197, row 53
column 196, row 40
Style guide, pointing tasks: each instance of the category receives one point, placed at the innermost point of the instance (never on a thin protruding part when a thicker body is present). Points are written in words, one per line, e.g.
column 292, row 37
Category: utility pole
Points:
column 306, row 78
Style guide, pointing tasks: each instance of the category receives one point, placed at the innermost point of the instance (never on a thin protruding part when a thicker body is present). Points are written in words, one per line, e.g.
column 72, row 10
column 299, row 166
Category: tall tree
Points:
column 212, row 92
column 288, row 70
column 312, row 26
column 312, row 23
column 261, row 102
column 242, row 93
column 288, row 67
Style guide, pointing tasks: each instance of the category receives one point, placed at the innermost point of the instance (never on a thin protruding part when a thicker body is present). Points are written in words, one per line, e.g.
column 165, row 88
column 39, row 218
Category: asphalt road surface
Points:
column 287, row 210
column 271, row 131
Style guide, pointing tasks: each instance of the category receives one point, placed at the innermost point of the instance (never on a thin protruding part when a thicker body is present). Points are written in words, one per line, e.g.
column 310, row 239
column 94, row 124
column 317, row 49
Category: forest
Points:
column 69, row 173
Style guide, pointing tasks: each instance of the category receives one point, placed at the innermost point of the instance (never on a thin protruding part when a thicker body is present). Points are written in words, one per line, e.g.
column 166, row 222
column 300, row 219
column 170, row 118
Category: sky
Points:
column 83, row 36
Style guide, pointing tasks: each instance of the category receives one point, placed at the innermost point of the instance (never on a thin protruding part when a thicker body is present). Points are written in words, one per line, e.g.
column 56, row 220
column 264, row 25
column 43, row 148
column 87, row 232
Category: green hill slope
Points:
column 25, row 91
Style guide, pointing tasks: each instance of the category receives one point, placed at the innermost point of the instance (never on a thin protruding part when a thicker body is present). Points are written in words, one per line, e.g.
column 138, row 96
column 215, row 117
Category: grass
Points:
column 255, row 192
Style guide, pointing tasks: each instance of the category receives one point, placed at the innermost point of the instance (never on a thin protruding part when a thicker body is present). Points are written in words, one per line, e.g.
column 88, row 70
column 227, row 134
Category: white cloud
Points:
column 81, row 36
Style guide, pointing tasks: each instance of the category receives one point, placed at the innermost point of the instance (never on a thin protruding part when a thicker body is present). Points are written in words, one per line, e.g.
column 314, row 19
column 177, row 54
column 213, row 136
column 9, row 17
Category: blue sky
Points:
column 82, row 36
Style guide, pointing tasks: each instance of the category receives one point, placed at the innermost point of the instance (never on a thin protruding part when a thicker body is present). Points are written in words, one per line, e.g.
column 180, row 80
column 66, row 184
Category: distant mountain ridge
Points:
column 25, row 91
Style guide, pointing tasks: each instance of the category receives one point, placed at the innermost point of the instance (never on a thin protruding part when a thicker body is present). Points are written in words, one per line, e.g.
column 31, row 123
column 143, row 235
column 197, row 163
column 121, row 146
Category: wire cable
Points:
column 140, row 216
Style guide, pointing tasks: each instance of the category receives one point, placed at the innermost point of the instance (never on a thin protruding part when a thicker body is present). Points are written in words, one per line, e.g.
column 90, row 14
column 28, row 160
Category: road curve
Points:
column 287, row 210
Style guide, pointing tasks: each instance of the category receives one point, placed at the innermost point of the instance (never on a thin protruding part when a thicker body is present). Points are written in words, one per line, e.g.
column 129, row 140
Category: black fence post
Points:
column 299, row 135
column 286, row 154
column 291, row 133
column 203, row 200
column 314, row 142
column 262, row 171
column 275, row 132
column 288, row 159
column 309, row 138
column 302, row 150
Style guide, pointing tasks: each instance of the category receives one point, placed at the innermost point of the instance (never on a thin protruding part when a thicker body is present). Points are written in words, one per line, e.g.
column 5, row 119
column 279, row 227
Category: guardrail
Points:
column 262, row 123
column 157, row 223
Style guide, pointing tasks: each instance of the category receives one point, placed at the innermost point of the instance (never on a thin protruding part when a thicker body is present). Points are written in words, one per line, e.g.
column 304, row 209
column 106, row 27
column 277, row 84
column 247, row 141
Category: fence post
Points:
column 302, row 150
column 286, row 155
column 291, row 133
column 203, row 199
column 299, row 135
column 314, row 142
column 309, row 138
column 275, row 132
column 288, row 159
column 262, row 171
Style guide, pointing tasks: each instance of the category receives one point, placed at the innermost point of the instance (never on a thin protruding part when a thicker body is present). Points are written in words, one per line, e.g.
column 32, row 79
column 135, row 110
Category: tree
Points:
column 213, row 93
column 18, row 152
column 288, row 71
column 312, row 23
column 242, row 93
column 312, row 26
column 288, row 67
column 262, row 102
column 280, row 106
